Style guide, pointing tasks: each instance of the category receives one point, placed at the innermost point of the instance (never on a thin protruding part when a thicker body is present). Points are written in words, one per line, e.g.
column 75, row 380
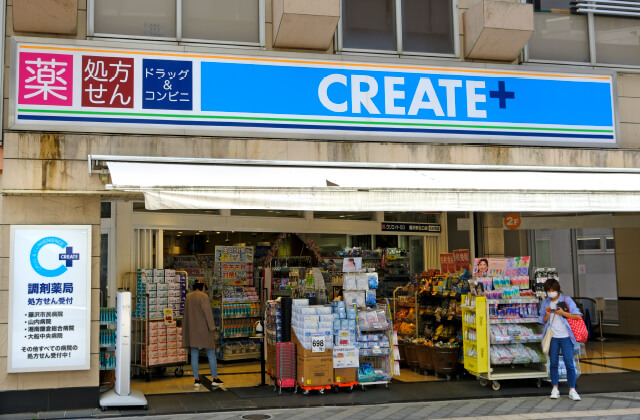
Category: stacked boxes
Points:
column 312, row 321
column 344, row 324
column 165, row 344
column 158, row 290
column 360, row 289
column 309, row 324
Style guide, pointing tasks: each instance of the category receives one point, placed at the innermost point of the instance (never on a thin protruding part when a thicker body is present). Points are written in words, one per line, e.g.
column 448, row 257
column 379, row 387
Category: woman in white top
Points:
column 553, row 316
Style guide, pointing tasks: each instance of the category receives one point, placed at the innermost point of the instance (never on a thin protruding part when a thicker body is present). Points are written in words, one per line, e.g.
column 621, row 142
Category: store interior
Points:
column 398, row 259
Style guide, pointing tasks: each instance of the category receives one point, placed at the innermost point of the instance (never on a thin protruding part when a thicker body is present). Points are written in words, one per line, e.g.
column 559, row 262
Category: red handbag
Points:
column 579, row 329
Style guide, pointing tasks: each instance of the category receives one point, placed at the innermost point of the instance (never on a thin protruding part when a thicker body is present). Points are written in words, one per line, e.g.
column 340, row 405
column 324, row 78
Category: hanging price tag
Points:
column 317, row 343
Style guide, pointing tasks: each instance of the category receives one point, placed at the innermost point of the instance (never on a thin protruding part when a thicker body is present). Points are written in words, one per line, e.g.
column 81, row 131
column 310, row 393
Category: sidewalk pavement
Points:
column 616, row 405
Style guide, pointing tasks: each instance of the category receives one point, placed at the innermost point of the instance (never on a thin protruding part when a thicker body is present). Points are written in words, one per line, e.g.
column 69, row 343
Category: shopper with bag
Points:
column 555, row 312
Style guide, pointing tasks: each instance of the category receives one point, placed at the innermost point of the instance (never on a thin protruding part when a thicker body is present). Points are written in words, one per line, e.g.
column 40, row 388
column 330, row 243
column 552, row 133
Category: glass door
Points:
column 553, row 249
column 597, row 269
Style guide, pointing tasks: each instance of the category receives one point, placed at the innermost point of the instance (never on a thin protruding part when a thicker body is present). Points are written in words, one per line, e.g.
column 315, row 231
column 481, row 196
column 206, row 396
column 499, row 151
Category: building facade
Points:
column 64, row 156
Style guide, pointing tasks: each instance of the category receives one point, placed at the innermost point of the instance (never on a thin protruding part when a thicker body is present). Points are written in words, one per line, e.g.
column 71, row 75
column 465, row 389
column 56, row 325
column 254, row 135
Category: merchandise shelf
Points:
column 513, row 320
column 482, row 367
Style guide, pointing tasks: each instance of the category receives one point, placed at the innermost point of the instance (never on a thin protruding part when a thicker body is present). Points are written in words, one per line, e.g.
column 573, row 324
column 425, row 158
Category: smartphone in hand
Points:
column 563, row 306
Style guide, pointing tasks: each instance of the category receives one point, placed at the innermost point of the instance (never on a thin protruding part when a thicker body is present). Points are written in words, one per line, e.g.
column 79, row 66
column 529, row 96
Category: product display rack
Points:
column 479, row 345
column 237, row 321
column 381, row 358
column 405, row 298
column 396, row 272
column 107, row 338
column 439, row 309
column 146, row 337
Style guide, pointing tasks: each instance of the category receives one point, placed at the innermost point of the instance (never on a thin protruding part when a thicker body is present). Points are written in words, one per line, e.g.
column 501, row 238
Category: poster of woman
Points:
column 481, row 267
column 352, row 264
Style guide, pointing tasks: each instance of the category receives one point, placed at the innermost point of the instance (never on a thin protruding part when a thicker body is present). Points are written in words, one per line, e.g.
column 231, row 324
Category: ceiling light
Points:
column 217, row 232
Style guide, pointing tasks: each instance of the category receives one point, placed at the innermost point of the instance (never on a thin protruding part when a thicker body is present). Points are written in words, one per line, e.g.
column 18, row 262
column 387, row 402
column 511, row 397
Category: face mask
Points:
column 552, row 295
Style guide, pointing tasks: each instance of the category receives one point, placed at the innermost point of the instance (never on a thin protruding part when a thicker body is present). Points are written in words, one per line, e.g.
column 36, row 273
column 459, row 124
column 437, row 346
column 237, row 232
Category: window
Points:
column 559, row 37
column 563, row 30
column 235, row 20
column 135, row 18
column 369, row 24
column 427, row 26
column 239, row 22
column 609, row 244
column 589, row 244
column 596, row 244
column 423, row 26
column 617, row 40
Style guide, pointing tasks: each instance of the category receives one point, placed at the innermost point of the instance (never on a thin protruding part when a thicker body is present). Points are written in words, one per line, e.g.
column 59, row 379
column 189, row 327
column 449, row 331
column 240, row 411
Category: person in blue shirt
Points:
column 554, row 312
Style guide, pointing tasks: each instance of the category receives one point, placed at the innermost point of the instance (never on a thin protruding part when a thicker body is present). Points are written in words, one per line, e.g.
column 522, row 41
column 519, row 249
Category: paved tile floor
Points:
column 622, row 405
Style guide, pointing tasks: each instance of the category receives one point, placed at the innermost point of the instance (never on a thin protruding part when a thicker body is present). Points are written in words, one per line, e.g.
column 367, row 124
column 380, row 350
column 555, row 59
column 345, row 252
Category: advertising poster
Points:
column 461, row 259
column 481, row 267
column 352, row 264
column 345, row 357
column 50, row 298
column 447, row 264
column 234, row 265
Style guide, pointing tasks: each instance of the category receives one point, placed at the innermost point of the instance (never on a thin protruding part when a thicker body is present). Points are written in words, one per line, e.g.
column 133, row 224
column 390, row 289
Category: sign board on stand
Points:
column 49, row 298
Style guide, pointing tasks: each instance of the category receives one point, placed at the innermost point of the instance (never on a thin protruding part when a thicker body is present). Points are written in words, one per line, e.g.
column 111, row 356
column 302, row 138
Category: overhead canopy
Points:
column 262, row 186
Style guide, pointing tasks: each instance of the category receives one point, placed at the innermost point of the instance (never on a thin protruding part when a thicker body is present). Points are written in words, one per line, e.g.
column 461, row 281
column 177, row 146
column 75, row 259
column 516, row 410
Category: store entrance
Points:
column 281, row 261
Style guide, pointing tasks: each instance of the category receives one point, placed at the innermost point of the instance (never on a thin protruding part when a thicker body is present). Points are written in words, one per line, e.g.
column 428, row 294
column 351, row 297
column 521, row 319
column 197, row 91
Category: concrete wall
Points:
column 22, row 210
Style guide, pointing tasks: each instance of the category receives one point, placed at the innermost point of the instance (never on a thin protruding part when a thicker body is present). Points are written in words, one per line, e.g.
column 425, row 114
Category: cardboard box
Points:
column 270, row 365
column 345, row 375
column 301, row 351
column 315, row 371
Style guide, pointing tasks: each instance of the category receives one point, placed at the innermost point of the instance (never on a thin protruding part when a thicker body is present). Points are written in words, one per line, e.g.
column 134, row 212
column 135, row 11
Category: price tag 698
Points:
column 317, row 343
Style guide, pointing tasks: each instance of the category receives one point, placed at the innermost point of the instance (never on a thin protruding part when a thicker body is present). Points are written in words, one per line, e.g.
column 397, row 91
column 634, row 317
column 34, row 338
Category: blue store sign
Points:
column 307, row 98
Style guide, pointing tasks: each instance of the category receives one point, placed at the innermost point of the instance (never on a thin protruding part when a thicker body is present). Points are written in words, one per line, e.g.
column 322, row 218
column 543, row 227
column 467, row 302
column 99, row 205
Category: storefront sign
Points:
column 111, row 89
column 512, row 221
column 410, row 227
column 49, row 298
column 345, row 357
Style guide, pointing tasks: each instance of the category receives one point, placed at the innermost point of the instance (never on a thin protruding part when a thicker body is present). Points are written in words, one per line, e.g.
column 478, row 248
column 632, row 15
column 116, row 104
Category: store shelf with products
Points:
column 107, row 338
column 237, row 313
column 235, row 301
column 396, row 270
column 405, row 312
column 376, row 342
column 156, row 332
column 496, row 350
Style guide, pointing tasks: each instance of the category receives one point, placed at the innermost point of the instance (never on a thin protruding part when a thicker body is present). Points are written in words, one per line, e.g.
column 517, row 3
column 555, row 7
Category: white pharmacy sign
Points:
column 49, row 298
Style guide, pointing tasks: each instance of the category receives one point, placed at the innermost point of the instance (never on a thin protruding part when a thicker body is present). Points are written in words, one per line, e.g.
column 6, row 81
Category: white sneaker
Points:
column 555, row 394
column 574, row 395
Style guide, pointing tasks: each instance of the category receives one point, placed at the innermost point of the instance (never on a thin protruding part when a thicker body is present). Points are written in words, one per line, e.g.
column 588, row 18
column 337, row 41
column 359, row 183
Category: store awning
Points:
column 369, row 188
